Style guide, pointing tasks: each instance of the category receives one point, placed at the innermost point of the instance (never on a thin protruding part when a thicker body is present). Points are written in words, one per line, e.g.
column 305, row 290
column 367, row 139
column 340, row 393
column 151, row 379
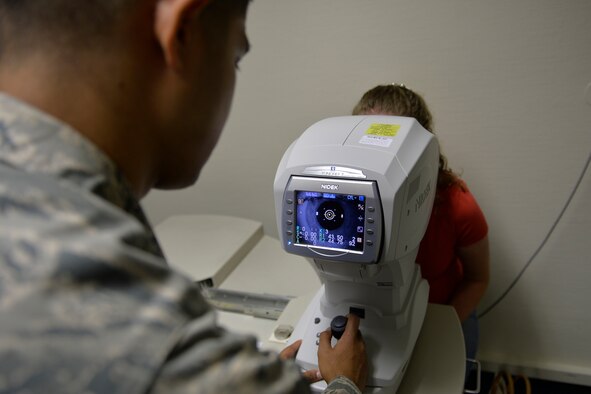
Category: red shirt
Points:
column 456, row 221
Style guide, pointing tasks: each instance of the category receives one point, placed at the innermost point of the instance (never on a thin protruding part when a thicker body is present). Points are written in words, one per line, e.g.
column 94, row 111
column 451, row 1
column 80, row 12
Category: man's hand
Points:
column 348, row 358
column 311, row 375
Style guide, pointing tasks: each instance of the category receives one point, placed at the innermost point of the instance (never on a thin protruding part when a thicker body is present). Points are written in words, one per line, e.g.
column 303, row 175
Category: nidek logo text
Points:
column 422, row 197
column 329, row 187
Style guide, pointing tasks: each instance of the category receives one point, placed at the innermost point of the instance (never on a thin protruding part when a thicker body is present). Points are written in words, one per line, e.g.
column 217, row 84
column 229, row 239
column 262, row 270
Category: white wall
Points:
column 506, row 83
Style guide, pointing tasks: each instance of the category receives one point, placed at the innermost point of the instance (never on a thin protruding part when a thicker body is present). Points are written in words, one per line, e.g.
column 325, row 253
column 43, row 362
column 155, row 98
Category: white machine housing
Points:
column 354, row 194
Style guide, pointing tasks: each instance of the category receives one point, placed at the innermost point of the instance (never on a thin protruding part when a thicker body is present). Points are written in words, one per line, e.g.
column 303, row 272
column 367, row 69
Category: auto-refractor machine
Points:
column 354, row 194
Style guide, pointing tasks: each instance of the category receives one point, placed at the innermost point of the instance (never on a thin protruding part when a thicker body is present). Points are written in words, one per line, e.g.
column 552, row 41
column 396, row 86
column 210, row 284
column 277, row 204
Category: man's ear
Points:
column 170, row 21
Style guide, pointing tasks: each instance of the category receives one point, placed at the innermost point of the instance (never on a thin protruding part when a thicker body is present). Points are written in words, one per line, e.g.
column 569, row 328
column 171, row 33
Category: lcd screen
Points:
column 329, row 220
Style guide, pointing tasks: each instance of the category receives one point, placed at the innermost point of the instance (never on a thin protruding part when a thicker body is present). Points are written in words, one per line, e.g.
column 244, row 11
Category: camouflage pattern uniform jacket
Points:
column 87, row 302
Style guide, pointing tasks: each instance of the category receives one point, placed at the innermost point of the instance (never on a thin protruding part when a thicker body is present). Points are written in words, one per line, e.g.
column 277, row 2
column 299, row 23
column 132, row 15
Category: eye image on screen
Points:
column 330, row 220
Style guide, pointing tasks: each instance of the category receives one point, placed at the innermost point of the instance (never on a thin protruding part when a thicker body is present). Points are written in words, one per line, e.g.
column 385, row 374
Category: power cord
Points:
column 504, row 383
column 543, row 243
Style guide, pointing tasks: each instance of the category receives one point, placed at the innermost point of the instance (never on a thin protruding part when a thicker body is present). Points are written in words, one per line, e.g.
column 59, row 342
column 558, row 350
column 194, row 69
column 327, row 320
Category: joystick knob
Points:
column 337, row 326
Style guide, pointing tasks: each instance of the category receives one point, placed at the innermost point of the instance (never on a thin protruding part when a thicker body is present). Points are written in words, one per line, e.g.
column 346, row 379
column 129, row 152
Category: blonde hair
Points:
column 398, row 100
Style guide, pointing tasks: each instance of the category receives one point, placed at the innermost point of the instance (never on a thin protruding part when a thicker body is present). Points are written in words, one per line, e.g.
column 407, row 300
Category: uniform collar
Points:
column 35, row 142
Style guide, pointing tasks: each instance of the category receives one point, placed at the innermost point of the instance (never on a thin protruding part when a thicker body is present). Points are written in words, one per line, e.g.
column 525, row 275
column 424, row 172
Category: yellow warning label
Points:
column 383, row 130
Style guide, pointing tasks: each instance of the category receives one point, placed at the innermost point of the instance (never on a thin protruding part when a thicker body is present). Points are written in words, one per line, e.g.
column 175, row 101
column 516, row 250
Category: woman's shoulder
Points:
column 463, row 213
column 457, row 189
column 458, row 198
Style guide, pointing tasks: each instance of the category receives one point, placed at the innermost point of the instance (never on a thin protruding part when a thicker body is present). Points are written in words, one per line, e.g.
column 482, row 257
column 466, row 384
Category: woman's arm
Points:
column 475, row 260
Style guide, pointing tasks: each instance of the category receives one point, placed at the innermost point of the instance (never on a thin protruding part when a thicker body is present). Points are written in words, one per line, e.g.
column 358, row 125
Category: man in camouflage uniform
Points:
column 103, row 100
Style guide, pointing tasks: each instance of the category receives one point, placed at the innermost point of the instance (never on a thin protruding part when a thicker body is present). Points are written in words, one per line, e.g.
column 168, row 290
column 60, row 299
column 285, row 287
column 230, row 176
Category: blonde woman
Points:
column 454, row 253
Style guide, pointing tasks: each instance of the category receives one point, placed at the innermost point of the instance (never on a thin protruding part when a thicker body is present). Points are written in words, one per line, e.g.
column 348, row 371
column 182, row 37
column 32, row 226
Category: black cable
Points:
column 533, row 256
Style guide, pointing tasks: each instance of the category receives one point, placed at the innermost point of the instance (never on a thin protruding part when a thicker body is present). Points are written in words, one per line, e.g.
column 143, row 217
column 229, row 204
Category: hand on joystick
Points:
column 348, row 358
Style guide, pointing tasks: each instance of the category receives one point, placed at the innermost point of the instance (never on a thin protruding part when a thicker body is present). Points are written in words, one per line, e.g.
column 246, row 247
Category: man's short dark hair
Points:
column 64, row 23
column 28, row 22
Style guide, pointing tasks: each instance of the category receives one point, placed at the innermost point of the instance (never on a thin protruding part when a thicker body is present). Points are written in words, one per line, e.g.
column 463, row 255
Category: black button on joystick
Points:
column 337, row 326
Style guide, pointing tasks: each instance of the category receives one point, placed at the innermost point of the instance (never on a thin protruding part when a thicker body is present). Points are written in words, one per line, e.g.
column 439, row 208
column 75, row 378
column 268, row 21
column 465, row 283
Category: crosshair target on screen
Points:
column 330, row 215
